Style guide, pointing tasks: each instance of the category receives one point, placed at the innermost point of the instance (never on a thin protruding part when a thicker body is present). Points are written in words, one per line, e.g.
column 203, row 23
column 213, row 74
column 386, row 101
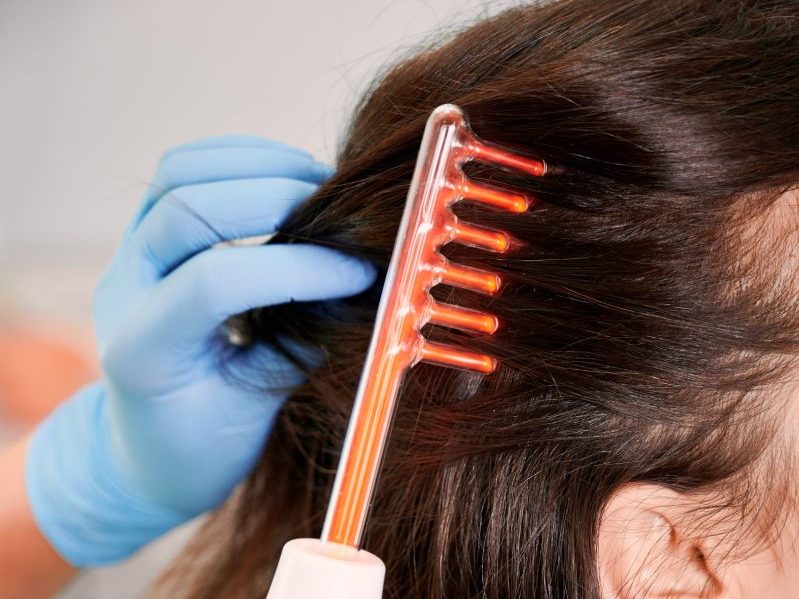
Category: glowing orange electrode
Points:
column 397, row 344
column 335, row 567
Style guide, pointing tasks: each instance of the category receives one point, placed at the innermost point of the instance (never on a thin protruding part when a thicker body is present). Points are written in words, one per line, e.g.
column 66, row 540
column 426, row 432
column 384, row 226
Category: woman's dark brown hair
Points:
column 644, row 320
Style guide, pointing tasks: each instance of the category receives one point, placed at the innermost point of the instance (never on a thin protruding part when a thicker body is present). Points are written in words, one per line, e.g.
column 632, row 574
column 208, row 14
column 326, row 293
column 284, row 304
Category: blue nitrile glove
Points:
column 166, row 435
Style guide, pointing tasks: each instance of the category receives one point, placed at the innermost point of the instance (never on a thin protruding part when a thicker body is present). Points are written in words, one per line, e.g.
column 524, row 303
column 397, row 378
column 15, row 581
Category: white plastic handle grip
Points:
column 311, row 569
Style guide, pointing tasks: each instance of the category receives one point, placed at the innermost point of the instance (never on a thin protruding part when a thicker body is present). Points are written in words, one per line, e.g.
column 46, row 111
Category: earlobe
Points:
column 646, row 550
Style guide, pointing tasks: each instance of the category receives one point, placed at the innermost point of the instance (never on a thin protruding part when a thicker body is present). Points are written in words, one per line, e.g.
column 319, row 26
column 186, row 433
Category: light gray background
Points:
column 93, row 91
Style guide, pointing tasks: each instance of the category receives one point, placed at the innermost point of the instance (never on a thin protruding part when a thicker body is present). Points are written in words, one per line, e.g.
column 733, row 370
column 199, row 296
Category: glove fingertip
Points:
column 356, row 273
column 326, row 170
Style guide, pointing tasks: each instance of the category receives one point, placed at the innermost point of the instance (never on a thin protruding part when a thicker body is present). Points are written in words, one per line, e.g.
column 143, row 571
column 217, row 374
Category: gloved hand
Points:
column 166, row 434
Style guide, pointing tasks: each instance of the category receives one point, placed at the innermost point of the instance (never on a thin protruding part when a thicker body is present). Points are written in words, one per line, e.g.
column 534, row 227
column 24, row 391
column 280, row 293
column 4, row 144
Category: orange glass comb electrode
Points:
column 397, row 344
column 334, row 567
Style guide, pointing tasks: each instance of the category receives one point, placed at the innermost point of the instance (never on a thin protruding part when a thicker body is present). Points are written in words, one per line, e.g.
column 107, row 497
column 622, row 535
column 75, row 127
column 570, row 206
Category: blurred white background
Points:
column 93, row 91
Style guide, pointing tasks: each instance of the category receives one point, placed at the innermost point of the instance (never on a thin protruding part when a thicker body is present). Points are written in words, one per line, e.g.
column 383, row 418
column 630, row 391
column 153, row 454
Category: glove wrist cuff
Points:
column 81, row 506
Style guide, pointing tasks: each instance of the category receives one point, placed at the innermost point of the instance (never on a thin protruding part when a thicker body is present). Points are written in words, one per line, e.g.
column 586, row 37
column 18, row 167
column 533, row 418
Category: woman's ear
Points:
column 645, row 549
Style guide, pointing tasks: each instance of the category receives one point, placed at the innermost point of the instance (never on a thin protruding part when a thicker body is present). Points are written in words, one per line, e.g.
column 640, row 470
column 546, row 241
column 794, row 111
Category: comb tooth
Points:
column 470, row 278
column 445, row 355
column 462, row 318
column 485, row 153
column 506, row 200
column 496, row 241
